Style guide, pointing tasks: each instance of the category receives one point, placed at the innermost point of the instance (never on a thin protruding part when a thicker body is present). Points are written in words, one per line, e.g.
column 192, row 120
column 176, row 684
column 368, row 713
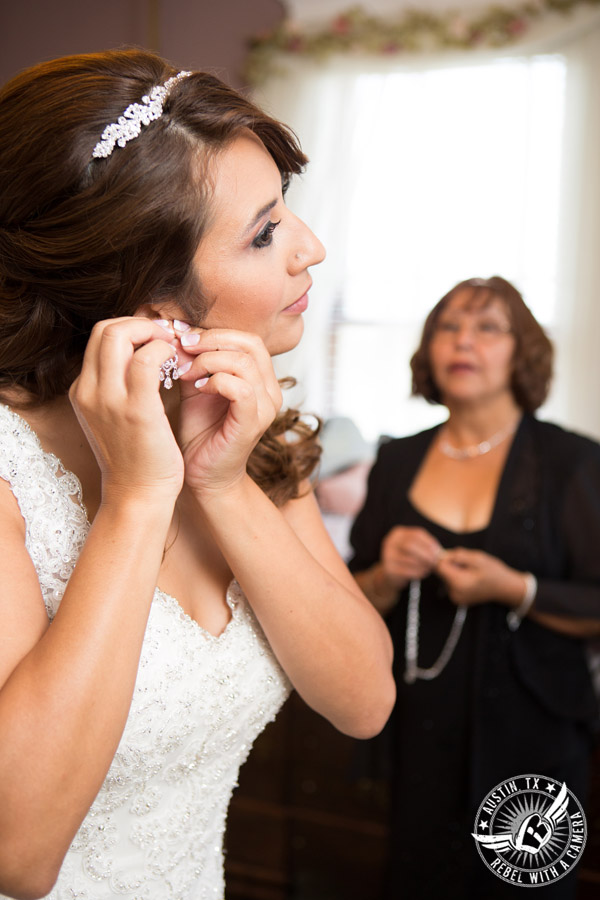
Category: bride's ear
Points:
column 149, row 311
column 165, row 311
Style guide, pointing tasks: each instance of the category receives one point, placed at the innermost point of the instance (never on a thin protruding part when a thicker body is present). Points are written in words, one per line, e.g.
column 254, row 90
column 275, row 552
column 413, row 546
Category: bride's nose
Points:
column 307, row 250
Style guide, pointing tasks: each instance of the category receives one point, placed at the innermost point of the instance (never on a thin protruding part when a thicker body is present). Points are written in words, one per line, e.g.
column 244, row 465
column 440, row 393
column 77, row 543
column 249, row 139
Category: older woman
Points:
column 479, row 540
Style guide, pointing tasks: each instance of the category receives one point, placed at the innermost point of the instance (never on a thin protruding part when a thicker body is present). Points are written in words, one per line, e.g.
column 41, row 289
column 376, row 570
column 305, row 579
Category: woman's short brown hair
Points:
column 532, row 364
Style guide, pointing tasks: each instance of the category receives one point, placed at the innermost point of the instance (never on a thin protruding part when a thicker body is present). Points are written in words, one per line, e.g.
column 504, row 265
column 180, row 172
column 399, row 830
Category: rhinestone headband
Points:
column 128, row 126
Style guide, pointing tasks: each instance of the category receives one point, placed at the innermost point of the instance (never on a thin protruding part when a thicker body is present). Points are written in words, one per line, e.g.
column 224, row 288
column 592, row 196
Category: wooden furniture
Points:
column 302, row 826
column 589, row 867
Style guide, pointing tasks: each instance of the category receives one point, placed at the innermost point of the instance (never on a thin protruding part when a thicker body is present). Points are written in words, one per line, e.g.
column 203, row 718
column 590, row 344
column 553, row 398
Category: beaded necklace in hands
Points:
column 412, row 670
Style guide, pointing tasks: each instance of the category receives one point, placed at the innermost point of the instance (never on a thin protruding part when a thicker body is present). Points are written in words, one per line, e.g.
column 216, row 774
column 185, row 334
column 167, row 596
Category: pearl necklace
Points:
column 412, row 671
column 477, row 449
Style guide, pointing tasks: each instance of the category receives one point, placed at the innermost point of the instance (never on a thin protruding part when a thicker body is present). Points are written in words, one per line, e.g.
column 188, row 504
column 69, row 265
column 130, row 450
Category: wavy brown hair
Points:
column 532, row 362
column 83, row 239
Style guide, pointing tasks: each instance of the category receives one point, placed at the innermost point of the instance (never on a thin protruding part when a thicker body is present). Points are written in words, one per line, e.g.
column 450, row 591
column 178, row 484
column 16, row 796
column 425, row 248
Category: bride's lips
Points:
column 299, row 305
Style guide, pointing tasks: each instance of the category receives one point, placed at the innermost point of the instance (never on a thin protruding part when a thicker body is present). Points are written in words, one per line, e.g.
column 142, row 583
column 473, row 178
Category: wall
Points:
column 200, row 34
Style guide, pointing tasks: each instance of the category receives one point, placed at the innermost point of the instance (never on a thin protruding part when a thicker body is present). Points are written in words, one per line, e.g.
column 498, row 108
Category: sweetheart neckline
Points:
column 54, row 463
column 185, row 617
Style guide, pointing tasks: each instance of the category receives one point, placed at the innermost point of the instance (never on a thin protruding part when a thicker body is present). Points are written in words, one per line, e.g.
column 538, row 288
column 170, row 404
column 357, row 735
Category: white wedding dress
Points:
column 155, row 830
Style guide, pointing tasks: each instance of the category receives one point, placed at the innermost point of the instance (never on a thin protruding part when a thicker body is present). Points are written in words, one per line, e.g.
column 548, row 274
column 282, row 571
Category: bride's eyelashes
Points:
column 265, row 237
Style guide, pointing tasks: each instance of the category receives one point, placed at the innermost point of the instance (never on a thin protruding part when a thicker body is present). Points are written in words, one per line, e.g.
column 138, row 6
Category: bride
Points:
column 167, row 577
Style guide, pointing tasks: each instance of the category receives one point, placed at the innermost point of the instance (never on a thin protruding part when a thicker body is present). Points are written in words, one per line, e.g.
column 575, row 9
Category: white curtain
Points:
column 576, row 395
column 317, row 101
column 319, row 106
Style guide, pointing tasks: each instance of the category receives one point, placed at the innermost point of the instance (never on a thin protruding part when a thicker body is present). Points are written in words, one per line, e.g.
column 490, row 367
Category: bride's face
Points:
column 253, row 261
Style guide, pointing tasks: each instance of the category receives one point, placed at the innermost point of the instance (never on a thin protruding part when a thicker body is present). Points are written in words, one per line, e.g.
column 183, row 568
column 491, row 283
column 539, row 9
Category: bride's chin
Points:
column 280, row 344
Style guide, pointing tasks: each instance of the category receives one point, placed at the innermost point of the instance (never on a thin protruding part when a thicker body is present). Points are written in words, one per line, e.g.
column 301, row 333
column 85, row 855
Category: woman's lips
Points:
column 299, row 305
column 459, row 368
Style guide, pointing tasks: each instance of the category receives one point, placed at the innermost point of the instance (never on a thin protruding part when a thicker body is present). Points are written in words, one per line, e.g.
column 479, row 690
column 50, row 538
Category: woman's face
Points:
column 472, row 349
column 253, row 260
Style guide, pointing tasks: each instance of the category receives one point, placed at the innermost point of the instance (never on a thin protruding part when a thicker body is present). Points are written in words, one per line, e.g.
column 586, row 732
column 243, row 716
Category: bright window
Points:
column 456, row 174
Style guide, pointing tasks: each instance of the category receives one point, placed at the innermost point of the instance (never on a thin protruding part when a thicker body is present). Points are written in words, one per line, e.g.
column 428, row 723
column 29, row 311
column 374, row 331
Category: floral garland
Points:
column 355, row 31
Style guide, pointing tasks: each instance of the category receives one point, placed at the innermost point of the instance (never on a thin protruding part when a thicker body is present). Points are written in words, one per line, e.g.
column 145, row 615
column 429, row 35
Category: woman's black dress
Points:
column 431, row 826
column 507, row 704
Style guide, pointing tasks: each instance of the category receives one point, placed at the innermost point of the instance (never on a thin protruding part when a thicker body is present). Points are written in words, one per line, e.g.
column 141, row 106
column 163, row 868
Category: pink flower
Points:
column 516, row 26
column 294, row 44
column 341, row 25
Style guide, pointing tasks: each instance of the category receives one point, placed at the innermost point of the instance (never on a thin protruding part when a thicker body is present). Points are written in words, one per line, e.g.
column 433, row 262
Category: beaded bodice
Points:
column 155, row 830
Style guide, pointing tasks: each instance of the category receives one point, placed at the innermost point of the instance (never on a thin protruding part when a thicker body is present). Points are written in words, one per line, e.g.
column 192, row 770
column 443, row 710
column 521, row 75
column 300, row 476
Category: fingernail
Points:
column 184, row 368
column 181, row 326
column 164, row 323
column 188, row 340
column 201, row 382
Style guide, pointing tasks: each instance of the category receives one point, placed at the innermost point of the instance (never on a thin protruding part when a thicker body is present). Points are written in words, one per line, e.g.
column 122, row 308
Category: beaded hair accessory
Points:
column 129, row 124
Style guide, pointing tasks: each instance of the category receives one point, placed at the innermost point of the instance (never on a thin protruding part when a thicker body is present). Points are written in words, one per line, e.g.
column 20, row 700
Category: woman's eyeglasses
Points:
column 481, row 329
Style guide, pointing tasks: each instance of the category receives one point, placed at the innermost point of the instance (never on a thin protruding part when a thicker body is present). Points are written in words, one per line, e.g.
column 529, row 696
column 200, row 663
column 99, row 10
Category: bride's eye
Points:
column 265, row 237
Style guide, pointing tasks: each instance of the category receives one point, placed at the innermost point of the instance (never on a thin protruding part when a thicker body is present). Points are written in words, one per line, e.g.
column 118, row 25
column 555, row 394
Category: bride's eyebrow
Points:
column 261, row 212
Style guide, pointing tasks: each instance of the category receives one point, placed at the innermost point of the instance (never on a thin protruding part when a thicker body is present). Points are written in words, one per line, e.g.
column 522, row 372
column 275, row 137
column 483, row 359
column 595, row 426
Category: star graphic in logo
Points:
column 550, row 788
column 483, row 825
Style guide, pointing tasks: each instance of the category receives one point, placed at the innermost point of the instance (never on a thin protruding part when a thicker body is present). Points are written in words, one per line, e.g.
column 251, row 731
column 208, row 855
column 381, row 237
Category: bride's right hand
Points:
column 117, row 401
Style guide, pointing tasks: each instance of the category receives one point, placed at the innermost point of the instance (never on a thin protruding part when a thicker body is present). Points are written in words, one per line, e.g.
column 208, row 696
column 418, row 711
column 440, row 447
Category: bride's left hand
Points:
column 222, row 420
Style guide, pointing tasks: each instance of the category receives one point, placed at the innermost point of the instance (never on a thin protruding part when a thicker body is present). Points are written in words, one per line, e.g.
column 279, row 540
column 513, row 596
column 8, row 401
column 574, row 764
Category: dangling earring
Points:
column 169, row 372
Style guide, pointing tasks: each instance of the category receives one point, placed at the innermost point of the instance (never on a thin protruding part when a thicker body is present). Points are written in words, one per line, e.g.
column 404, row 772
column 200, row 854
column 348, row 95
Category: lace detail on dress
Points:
column 50, row 501
column 155, row 830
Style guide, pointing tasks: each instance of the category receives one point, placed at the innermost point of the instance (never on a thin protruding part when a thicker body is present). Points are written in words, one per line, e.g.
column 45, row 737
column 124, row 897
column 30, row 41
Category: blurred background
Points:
column 193, row 33
column 448, row 140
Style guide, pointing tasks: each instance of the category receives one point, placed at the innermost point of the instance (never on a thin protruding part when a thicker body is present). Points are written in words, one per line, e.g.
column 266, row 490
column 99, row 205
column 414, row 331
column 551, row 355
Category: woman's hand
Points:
column 223, row 418
column 117, row 401
column 408, row 553
column 473, row 577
